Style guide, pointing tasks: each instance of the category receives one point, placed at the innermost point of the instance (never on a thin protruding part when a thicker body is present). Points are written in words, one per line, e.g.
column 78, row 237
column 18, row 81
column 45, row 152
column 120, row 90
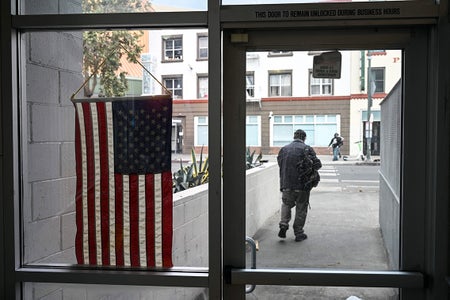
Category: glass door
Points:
column 356, row 233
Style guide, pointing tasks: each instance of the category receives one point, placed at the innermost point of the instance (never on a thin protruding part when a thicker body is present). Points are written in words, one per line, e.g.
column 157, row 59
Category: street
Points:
column 349, row 178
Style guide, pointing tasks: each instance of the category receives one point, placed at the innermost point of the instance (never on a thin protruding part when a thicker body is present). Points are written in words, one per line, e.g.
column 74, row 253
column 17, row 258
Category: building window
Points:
column 280, row 84
column 175, row 85
column 319, row 128
column 250, row 85
column 320, row 86
column 201, row 131
column 378, row 79
column 202, row 86
column 280, row 53
column 172, row 48
column 202, row 47
column 253, row 131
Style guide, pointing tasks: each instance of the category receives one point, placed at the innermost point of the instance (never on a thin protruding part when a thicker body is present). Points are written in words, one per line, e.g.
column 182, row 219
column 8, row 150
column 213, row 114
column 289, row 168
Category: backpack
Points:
column 308, row 175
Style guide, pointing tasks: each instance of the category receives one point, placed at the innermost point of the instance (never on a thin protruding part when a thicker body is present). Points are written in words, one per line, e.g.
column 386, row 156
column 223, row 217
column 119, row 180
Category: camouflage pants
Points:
column 299, row 199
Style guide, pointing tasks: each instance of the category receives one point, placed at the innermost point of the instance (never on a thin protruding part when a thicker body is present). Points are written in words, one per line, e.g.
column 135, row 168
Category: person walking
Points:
column 336, row 142
column 294, row 185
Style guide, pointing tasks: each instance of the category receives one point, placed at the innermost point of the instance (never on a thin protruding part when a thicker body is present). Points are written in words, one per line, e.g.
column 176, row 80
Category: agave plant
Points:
column 196, row 173
column 250, row 162
column 191, row 175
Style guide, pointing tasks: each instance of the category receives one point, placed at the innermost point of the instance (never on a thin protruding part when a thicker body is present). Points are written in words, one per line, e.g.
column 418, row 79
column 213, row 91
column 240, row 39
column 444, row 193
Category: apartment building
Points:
column 282, row 94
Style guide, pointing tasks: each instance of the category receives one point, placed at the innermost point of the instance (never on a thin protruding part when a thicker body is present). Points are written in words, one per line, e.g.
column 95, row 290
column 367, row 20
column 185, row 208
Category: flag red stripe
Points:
column 134, row 220
column 119, row 219
column 90, row 162
column 150, row 218
column 104, row 181
column 78, row 194
column 167, row 210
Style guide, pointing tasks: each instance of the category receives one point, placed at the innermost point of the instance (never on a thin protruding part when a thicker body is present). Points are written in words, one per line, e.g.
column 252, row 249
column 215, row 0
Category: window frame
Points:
column 12, row 24
column 251, row 87
column 382, row 71
column 321, row 85
column 258, row 125
column 199, row 77
column 173, row 89
column 280, row 86
column 198, row 124
column 199, row 48
column 173, row 39
column 301, row 124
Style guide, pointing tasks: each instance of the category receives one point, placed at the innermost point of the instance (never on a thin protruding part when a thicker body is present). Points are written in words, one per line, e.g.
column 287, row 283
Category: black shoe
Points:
column 301, row 237
column 282, row 232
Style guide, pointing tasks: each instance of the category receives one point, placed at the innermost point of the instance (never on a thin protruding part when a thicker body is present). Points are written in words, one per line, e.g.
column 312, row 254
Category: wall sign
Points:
column 327, row 65
column 331, row 13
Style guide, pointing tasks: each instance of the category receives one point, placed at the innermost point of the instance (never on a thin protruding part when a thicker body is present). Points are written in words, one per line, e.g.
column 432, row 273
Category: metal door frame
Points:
column 413, row 41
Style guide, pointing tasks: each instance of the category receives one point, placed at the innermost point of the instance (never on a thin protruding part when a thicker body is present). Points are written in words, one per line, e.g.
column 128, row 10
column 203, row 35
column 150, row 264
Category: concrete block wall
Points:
column 49, row 166
column 190, row 242
column 263, row 198
column 190, row 227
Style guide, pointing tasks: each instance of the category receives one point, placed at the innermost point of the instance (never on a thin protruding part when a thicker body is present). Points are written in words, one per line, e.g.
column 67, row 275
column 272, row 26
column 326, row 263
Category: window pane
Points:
column 274, row 91
column 252, row 137
column 252, row 119
column 61, row 200
column 282, row 134
column 274, row 80
column 324, row 133
column 356, row 189
column 234, row 2
column 315, row 90
column 203, row 87
column 202, row 139
column 320, row 119
column 319, row 292
column 37, row 291
column 331, row 118
column 32, row 7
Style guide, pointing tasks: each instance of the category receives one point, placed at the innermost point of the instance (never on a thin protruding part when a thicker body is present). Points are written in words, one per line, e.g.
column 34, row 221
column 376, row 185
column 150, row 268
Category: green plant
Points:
column 250, row 162
column 197, row 174
column 103, row 50
column 191, row 175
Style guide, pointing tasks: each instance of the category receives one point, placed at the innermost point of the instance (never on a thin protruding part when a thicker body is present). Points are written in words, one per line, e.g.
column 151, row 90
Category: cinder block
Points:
column 66, row 51
column 41, row 7
column 43, row 161
column 70, row 82
column 70, row 6
column 42, row 84
column 52, row 123
column 53, row 197
column 46, row 291
column 42, row 239
column 68, row 159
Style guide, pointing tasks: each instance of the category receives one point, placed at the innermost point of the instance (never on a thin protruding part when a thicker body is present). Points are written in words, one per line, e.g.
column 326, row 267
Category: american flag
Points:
column 123, row 181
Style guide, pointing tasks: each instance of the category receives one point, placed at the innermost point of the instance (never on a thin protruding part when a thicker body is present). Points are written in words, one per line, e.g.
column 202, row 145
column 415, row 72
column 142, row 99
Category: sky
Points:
column 191, row 4
column 201, row 4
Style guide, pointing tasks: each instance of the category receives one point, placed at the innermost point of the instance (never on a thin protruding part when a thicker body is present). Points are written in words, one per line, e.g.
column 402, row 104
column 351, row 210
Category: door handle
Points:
column 252, row 244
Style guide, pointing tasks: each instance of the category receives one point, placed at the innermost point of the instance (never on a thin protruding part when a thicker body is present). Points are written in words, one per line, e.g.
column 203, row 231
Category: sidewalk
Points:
column 343, row 233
